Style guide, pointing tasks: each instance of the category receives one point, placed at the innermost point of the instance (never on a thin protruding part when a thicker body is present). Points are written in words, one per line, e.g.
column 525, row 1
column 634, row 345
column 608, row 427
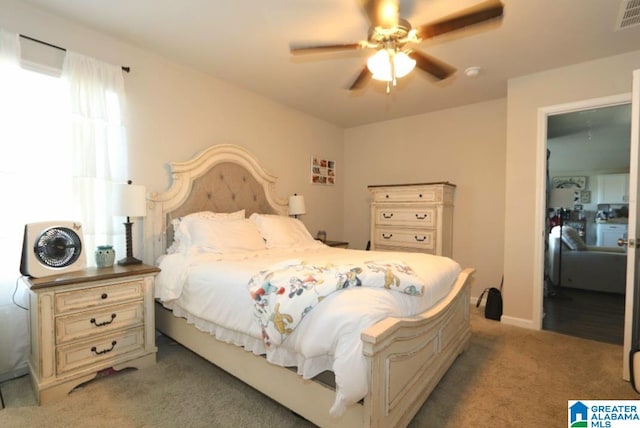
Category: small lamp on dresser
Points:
column 296, row 205
column 130, row 201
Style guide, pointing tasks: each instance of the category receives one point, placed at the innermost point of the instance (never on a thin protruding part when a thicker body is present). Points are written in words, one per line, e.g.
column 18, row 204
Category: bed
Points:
column 396, row 361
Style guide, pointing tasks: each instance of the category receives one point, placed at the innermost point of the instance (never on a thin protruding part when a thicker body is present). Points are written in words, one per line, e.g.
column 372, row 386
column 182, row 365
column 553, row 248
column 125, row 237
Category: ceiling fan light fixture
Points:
column 380, row 66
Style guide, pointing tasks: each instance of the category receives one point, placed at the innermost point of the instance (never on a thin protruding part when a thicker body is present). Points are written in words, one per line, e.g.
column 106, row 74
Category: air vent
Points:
column 629, row 14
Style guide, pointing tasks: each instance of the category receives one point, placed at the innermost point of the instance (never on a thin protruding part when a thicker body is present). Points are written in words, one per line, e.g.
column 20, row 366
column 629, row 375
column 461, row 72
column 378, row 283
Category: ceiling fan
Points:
column 396, row 41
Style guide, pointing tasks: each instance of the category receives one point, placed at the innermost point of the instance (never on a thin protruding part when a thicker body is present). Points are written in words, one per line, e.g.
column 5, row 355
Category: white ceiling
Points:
column 246, row 42
column 592, row 141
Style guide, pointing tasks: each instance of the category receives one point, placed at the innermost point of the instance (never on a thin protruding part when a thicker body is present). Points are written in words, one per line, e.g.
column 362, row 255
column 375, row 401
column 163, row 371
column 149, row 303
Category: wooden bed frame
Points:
column 407, row 356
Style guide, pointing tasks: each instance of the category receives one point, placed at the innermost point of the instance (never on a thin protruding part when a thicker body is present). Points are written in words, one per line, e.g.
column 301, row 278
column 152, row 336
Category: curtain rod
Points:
column 124, row 68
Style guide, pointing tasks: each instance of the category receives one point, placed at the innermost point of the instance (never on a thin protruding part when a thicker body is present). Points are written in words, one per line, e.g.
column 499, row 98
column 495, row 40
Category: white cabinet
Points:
column 613, row 189
column 86, row 321
column 607, row 234
column 412, row 217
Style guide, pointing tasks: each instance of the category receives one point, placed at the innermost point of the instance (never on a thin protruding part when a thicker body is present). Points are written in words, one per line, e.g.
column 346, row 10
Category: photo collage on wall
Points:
column 323, row 171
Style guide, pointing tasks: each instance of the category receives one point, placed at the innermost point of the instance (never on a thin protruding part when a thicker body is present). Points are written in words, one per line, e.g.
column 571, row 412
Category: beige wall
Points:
column 174, row 112
column 526, row 95
column 465, row 146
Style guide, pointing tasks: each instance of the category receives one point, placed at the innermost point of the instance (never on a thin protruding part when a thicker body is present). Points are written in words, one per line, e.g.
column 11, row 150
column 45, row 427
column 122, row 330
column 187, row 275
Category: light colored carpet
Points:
column 508, row 377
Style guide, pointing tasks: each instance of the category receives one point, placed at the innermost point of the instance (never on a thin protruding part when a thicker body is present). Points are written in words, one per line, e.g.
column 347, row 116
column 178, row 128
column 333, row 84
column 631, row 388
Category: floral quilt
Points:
column 285, row 293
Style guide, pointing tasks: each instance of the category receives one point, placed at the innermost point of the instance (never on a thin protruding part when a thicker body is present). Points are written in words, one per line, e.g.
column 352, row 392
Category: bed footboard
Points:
column 408, row 357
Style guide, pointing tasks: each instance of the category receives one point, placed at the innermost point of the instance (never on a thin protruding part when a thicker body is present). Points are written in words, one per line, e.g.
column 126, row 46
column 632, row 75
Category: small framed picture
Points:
column 323, row 171
column 585, row 196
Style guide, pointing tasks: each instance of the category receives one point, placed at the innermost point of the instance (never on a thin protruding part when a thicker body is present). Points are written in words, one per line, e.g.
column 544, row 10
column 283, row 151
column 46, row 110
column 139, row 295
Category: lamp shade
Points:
column 296, row 205
column 130, row 200
column 379, row 65
column 562, row 198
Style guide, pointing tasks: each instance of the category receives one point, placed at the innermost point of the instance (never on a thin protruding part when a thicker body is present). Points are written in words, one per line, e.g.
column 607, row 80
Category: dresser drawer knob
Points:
column 100, row 324
column 385, row 236
column 420, row 195
column 420, row 239
column 104, row 296
column 421, row 216
column 387, row 215
column 104, row 351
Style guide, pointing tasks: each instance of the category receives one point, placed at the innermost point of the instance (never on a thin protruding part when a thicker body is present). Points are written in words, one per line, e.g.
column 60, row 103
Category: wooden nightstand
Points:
column 337, row 244
column 89, row 320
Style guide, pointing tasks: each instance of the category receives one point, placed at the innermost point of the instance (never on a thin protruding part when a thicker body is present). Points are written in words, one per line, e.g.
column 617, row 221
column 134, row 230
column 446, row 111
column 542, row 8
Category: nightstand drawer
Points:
column 417, row 217
column 79, row 354
column 91, row 297
column 419, row 239
column 98, row 321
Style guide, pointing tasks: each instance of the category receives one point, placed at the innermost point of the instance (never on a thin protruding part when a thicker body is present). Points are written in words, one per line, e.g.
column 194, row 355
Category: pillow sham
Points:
column 181, row 238
column 280, row 231
column 224, row 235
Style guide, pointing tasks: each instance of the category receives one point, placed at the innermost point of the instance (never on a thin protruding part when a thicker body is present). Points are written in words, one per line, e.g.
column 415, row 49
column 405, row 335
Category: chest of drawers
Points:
column 85, row 321
column 412, row 217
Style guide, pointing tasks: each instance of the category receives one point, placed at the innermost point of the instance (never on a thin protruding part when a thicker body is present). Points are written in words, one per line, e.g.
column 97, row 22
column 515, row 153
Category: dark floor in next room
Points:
column 588, row 314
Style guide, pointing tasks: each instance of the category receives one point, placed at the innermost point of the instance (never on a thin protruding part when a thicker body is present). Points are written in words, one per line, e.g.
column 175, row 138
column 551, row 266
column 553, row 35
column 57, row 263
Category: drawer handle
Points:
column 100, row 324
column 419, row 239
column 421, row 217
column 104, row 296
column 420, row 195
column 386, row 196
column 385, row 215
column 385, row 236
column 104, row 351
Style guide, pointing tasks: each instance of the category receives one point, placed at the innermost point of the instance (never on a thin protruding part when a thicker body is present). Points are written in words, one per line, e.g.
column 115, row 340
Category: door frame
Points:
column 541, row 183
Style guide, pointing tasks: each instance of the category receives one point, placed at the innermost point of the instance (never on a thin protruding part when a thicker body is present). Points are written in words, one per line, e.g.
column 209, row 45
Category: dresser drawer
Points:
column 404, row 249
column 418, row 238
column 416, row 217
column 92, row 297
column 408, row 195
column 98, row 321
column 79, row 354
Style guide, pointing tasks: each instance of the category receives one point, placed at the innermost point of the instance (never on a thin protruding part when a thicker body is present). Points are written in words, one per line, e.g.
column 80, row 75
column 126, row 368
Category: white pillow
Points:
column 181, row 238
column 224, row 235
column 281, row 232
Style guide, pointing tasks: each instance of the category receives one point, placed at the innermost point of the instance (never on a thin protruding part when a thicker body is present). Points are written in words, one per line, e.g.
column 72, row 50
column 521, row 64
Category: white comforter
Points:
column 211, row 291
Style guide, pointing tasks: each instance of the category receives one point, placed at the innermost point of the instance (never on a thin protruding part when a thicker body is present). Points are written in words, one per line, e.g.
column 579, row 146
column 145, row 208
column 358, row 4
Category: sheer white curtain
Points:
column 62, row 144
column 98, row 144
column 14, row 332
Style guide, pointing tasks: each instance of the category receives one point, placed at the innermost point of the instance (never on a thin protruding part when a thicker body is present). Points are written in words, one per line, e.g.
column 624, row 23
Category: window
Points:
column 34, row 167
column 55, row 164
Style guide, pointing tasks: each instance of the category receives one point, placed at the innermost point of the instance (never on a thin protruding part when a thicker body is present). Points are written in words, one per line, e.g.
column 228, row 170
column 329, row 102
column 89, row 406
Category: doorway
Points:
column 587, row 145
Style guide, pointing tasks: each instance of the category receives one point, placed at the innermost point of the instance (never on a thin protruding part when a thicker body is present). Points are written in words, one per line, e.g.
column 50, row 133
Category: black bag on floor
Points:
column 493, row 308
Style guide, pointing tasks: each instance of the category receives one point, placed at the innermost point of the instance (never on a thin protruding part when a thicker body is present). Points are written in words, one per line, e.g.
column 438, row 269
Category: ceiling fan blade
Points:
column 362, row 79
column 383, row 13
column 436, row 68
column 299, row 50
column 483, row 12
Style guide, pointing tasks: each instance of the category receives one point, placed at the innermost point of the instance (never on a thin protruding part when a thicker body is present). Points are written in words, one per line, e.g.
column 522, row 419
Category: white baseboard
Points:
column 505, row 319
column 518, row 322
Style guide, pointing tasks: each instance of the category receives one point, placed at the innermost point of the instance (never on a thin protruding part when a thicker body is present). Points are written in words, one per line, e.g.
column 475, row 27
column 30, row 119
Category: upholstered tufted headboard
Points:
column 223, row 178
